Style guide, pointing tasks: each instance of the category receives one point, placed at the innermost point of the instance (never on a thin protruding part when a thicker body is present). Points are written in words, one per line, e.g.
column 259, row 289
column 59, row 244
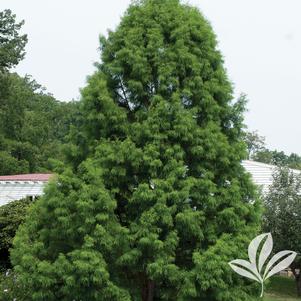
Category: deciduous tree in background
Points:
column 154, row 201
column 12, row 43
column 258, row 151
column 33, row 124
column 282, row 215
column 11, row 216
column 255, row 143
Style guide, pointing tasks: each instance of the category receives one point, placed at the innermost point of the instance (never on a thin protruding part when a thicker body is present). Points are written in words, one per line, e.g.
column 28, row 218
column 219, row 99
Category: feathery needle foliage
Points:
column 153, row 202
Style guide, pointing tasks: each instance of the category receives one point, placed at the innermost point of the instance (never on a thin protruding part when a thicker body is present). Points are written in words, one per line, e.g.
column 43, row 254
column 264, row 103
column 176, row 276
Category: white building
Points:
column 262, row 174
column 17, row 187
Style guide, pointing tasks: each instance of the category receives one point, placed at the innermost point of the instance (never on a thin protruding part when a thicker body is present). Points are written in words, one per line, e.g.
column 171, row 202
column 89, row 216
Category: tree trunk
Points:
column 298, row 283
column 148, row 290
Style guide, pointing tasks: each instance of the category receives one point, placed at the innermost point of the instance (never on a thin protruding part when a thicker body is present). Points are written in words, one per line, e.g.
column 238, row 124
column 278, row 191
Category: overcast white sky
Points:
column 260, row 40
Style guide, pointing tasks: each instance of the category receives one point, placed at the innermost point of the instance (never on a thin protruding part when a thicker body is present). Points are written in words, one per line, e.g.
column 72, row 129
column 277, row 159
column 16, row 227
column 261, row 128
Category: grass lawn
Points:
column 281, row 289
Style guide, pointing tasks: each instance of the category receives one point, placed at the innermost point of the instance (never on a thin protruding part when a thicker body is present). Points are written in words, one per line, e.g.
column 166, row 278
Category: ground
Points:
column 281, row 289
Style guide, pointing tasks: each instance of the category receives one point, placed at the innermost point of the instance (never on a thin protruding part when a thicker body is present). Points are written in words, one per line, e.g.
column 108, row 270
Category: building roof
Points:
column 262, row 174
column 44, row 177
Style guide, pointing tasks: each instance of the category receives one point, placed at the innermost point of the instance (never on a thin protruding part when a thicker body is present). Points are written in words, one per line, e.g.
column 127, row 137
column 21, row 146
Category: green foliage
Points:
column 11, row 289
column 12, row 44
column 12, row 216
column 258, row 151
column 283, row 210
column 10, row 165
column 255, row 144
column 33, row 125
column 278, row 158
column 155, row 201
column 79, row 211
column 282, row 216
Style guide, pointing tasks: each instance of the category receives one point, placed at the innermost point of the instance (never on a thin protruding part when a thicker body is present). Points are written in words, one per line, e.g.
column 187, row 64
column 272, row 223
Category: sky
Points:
column 260, row 41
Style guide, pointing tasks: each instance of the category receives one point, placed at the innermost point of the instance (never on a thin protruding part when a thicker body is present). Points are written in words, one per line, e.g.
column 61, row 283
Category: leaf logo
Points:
column 253, row 269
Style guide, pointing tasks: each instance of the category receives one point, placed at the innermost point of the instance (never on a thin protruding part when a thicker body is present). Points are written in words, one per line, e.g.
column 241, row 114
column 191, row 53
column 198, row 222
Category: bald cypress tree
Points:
column 154, row 201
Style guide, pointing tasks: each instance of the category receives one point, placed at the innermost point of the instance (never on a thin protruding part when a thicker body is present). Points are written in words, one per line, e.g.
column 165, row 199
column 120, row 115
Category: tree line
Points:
column 33, row 124
column 258, row 151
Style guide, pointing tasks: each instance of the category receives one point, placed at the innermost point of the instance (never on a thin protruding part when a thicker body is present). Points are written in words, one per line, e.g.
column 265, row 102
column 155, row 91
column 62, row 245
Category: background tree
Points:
column 294, row 161
column 255, row 143
column 154, row 202
column 282, row 216
column 12, row 43
column 33, row 124
column 258, row 151
column 278, row 158
column 11, row 216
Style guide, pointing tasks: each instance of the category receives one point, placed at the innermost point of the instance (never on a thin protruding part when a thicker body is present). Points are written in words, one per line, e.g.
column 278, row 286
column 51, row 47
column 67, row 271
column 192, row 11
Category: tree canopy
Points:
column 154, row 201
column 11, row 216
column 282, row 215
column 258, row 151
column 33, row 124
column 12, row 43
